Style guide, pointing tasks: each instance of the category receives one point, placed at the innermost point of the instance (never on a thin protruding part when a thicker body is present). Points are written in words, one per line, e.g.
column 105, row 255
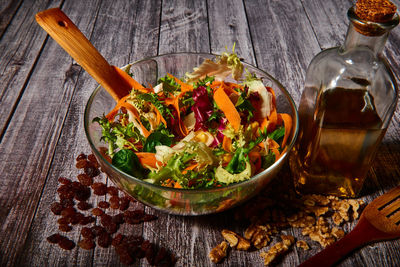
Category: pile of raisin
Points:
column 74, row 208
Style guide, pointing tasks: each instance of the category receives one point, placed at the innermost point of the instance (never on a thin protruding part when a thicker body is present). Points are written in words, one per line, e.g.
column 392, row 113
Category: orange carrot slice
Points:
column 110, row 116
column 190, row 168
column 131, row 108
column 227, row 144
column 184, row 86
column 148, row 159
column 226, row 106
column 287, row 121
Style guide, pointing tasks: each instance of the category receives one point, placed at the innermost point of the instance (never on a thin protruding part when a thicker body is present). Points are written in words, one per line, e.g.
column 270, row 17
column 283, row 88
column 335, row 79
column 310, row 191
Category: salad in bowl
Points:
column 190, row 144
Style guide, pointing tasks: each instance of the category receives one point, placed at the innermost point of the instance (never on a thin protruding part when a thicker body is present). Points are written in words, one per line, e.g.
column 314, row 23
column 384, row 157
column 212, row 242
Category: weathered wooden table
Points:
column 43, row 94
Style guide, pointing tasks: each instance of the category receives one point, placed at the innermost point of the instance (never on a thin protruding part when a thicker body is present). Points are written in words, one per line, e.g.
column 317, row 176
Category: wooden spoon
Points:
column 380, row 220
column 116, row 81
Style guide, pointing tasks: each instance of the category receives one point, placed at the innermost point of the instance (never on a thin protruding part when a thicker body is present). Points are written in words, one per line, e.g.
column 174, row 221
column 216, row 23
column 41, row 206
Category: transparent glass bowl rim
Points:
column 201, row 190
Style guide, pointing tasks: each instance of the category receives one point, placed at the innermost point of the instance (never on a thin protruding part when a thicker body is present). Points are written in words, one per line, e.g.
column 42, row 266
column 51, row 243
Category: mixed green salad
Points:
column 200, row 131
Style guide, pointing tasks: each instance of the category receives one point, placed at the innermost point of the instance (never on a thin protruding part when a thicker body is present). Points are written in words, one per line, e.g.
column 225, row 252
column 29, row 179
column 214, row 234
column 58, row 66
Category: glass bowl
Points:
column 172, row 200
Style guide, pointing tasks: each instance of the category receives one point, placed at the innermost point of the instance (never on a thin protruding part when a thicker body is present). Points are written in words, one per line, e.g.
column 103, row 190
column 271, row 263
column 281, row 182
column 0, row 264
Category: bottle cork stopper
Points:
column 375, row 10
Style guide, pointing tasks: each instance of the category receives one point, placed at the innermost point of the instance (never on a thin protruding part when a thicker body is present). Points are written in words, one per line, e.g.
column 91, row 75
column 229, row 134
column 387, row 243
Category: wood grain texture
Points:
column 184, row 27
column 228, row 26
column 48, row 92
column 19, row 49
column 8, row 8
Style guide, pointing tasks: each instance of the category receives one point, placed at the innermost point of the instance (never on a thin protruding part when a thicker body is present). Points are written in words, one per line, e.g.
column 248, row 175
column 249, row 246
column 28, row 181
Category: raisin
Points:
column 81, row 156
column 97, row 212
column 86, row 243
column 67, row 202
column 149, row 217
column 124, row 255
column 111, row 227
column 68, row 211
column 64, row 181
column 134, row 216
column 93, row 160
column 91, row 171
column 97, row 230
column 149, row 251
column 83, row 205
column 114, row 202
column 64, row 188
column 124, row 203
column 105, row 219
column 87, row 232
column 118, row 219
column 104, row 240
column 76, row 218
column 64, row 227
column 99, row 189
column 54, row 238
column 67, row 195
column 67, row 244
column 63, row 220
column 104, row 204
column 80, row 164
column 112, row 190
column 56, row 208
column 85, row 179
column 117, row 240
column 161, row 255
column 86, row 220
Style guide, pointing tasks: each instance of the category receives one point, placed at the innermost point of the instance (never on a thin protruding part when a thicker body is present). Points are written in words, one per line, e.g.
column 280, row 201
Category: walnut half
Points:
column 235, row 240
column 218, row 253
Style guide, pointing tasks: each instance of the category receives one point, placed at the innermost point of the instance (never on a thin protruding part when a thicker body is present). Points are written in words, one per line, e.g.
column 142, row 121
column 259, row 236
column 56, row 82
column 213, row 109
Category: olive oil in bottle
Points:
column 349, row 98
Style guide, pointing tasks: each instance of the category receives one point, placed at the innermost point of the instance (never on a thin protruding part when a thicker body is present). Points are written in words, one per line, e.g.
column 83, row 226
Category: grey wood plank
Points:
column 228, row 26
column 184, row 27
column 19, row 48
column 7, row 12
column 134, row 22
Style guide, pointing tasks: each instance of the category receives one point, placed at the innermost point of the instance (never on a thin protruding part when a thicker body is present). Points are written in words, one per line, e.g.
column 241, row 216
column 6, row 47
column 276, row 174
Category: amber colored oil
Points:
column 337, row 143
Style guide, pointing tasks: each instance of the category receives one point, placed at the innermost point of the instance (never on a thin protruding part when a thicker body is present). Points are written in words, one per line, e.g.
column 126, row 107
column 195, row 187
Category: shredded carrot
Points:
column 110, row 116
column 131, row 108
column 132, row 82
column 159, row 117
column 227, row 144
column 274, row 147
column 273, row 120
column 255, row 158
column 227, row 107
column 287, row 120
column 177, row 185
column 184, row 86
column 174, row 101
column 190, row 168
column 148, row 159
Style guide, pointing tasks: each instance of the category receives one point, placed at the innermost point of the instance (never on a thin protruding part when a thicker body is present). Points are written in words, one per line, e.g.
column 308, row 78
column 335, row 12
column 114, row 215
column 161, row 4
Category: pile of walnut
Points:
column 279, row 209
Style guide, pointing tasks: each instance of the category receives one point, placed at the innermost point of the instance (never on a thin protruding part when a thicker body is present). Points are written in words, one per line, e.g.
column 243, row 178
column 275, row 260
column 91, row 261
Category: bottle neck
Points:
column 355, row 39
column 365, row 33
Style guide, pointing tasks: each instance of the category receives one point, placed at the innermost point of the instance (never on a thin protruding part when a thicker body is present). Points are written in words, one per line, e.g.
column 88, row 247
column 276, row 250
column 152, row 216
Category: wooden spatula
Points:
column 117, row 83
column 380, row 220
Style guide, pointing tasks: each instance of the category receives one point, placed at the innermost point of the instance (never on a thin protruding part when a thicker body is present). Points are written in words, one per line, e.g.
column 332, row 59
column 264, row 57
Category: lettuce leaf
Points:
column 224, row 65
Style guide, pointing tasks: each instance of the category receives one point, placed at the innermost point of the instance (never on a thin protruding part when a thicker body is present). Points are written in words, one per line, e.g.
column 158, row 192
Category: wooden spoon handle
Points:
column 69, row 37
column 363, row 233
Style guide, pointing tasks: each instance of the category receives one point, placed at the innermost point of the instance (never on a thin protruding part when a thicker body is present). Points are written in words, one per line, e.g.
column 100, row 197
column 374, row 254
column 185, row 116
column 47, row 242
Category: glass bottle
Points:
column 349, row 98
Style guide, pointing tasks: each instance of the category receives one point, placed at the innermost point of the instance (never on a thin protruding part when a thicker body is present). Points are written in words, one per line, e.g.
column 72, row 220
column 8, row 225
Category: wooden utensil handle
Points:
column 69, row 37
column 363, row 233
